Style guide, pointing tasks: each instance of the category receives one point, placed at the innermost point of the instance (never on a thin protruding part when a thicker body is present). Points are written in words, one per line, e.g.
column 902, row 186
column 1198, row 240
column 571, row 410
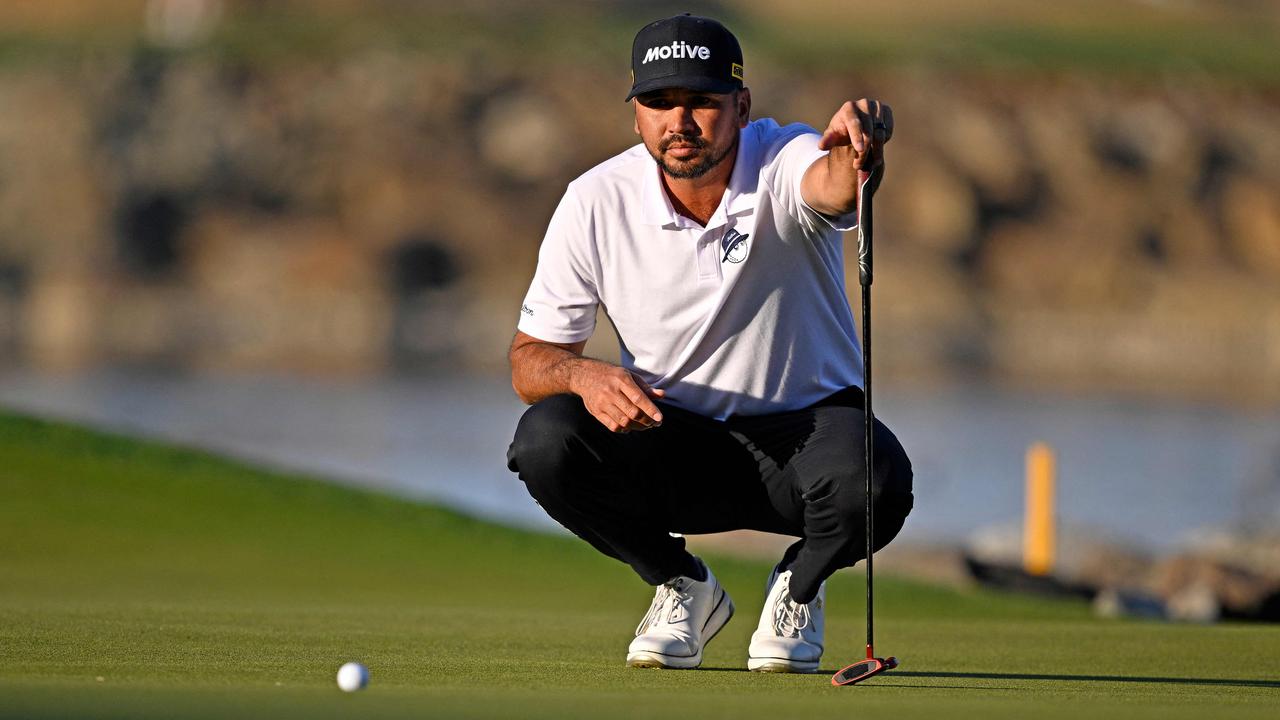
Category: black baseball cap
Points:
column 685, row 51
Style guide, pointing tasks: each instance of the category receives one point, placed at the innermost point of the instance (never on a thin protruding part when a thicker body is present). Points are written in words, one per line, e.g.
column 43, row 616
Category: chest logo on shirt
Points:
column 734, row 245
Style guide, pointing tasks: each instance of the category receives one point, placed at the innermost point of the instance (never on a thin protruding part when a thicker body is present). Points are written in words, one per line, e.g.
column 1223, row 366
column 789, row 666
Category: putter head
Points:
column 862, row 670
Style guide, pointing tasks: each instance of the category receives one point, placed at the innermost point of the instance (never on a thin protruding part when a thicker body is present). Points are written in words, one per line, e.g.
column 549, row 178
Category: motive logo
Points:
column 734, row 245
column 676, row 50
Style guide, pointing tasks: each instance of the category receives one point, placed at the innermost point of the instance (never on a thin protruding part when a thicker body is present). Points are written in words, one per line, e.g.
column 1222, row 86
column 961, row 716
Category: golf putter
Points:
column 873, row 665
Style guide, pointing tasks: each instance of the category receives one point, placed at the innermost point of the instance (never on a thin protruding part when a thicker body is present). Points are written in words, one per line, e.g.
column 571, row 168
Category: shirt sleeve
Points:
column 560, row 306
column 798, row 152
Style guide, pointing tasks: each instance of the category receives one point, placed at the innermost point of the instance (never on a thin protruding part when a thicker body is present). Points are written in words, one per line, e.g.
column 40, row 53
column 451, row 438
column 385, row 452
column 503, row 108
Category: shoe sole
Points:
column 781, row 665
column 646, row 659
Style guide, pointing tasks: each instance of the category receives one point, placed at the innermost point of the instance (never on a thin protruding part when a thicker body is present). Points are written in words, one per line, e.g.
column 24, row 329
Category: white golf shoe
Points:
column 683, row 618
column 789, row 636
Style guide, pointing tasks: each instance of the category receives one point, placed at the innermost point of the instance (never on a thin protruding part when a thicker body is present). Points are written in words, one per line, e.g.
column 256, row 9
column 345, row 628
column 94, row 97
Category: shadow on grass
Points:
column 1224, row 682
column 1232, row 682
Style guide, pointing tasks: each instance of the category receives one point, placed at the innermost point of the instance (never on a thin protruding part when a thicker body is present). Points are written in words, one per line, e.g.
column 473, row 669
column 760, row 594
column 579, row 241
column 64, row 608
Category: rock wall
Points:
column 384, row 209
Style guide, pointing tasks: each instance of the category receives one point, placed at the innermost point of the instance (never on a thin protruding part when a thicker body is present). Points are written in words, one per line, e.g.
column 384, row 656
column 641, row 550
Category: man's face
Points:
column 689, row 132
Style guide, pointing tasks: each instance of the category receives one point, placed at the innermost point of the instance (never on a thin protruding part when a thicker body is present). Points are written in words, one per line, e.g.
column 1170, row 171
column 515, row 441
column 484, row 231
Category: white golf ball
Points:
column 352, row 677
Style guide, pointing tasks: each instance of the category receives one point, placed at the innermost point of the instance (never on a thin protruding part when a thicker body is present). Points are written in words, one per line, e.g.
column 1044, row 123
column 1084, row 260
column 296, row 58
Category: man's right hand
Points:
column 617, row 398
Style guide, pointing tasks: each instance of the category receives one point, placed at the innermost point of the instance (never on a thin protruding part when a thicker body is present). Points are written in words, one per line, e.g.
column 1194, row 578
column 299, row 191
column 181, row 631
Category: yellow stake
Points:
column 1038, row 530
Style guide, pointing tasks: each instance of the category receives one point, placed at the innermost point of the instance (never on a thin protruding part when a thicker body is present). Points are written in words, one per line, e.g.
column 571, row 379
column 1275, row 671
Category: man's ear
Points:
column 635, row 121
column 744, row 107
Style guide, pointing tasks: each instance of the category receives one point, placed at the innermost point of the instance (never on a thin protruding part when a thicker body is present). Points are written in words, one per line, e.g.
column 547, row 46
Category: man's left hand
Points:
column 864, row 127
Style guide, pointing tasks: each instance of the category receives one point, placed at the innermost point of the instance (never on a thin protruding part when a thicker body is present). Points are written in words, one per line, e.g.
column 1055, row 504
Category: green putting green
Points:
column 138, row 580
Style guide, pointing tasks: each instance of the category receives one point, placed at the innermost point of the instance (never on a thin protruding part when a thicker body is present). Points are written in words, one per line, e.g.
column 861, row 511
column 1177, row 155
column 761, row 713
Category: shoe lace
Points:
column 789, row 616
column 668, row 594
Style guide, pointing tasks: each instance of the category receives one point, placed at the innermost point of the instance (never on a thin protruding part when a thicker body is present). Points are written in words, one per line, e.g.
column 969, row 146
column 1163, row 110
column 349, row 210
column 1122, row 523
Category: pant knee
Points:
column 892, row 508
column 844, row 494
column 837, row 502
column 542, row 450
column 893, row 473
column 846, row 501
column 894, row 480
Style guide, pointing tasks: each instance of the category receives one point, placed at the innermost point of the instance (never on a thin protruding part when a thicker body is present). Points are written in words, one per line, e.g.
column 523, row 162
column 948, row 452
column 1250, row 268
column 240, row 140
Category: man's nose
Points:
column 680, row 120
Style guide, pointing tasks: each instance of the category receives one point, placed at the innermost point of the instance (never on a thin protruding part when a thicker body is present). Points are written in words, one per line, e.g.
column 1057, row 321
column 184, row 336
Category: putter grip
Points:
column 866, row 190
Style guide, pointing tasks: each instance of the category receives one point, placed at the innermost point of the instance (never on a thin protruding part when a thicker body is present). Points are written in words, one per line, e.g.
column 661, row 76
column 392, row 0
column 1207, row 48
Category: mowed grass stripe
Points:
column 199, row 587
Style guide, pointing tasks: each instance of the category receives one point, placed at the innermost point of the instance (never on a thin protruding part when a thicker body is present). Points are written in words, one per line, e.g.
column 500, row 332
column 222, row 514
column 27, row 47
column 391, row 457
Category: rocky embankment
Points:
column 380, row 209
column 1214, row 575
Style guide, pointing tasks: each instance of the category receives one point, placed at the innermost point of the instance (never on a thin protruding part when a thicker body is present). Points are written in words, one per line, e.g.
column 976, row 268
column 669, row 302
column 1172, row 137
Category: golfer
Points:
column 714, row 248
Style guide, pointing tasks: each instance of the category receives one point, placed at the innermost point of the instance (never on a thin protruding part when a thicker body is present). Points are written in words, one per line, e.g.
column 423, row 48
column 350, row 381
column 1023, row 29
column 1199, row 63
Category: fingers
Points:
column 623, row 402
column 638, row 409
column 862, row 145
column 622, row 418
column 875, row 116
column 881, row 131
column 876, row 120
column 836, row 134
column 844, row 130
column 867, row 111
column 625, row 417
column 877, row 123
column 854, row 129
column 644, row 387
column 865, row 126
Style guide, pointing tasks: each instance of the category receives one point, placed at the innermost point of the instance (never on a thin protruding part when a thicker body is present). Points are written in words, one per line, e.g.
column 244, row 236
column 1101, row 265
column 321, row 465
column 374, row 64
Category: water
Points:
column 1143, row 472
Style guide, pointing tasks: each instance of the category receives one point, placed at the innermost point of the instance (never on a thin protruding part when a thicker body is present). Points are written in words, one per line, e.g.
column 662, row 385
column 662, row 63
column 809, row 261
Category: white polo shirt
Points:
column 745, row 316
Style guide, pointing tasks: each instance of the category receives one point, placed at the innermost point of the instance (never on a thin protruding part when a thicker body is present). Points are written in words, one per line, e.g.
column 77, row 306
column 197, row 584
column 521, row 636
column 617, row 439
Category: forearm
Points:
column 540, row 370
column 834, row 185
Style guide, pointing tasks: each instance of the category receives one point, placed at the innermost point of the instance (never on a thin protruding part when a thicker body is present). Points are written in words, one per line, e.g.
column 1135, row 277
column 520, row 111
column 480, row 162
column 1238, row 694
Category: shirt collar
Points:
column 739, row 196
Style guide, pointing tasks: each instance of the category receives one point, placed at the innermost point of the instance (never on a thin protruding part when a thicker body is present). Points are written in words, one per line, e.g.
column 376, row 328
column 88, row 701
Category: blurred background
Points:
column 300, row 232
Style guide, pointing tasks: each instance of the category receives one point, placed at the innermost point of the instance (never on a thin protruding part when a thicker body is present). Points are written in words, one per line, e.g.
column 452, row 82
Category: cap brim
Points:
column 700, row 84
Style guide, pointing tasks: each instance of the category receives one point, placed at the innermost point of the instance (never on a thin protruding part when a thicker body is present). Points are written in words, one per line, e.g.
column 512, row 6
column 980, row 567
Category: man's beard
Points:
column 699, row 167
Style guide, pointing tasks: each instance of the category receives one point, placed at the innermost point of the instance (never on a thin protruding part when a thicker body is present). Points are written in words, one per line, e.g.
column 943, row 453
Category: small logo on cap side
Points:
column 677, row 50
column 736, row 71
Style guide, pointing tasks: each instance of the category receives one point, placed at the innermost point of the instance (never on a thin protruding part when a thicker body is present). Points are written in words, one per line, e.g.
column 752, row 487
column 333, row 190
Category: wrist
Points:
column 574, row 371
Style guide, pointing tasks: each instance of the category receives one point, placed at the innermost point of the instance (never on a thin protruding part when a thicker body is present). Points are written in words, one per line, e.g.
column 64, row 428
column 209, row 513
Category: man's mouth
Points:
column 682, row 147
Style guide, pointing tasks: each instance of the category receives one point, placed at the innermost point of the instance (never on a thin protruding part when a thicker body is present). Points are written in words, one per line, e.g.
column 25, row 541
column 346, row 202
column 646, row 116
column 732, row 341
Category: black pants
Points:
column 796, row 473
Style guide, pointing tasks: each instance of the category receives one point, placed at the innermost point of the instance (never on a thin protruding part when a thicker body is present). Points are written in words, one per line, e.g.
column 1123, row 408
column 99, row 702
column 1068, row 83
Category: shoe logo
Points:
column 734, row 245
